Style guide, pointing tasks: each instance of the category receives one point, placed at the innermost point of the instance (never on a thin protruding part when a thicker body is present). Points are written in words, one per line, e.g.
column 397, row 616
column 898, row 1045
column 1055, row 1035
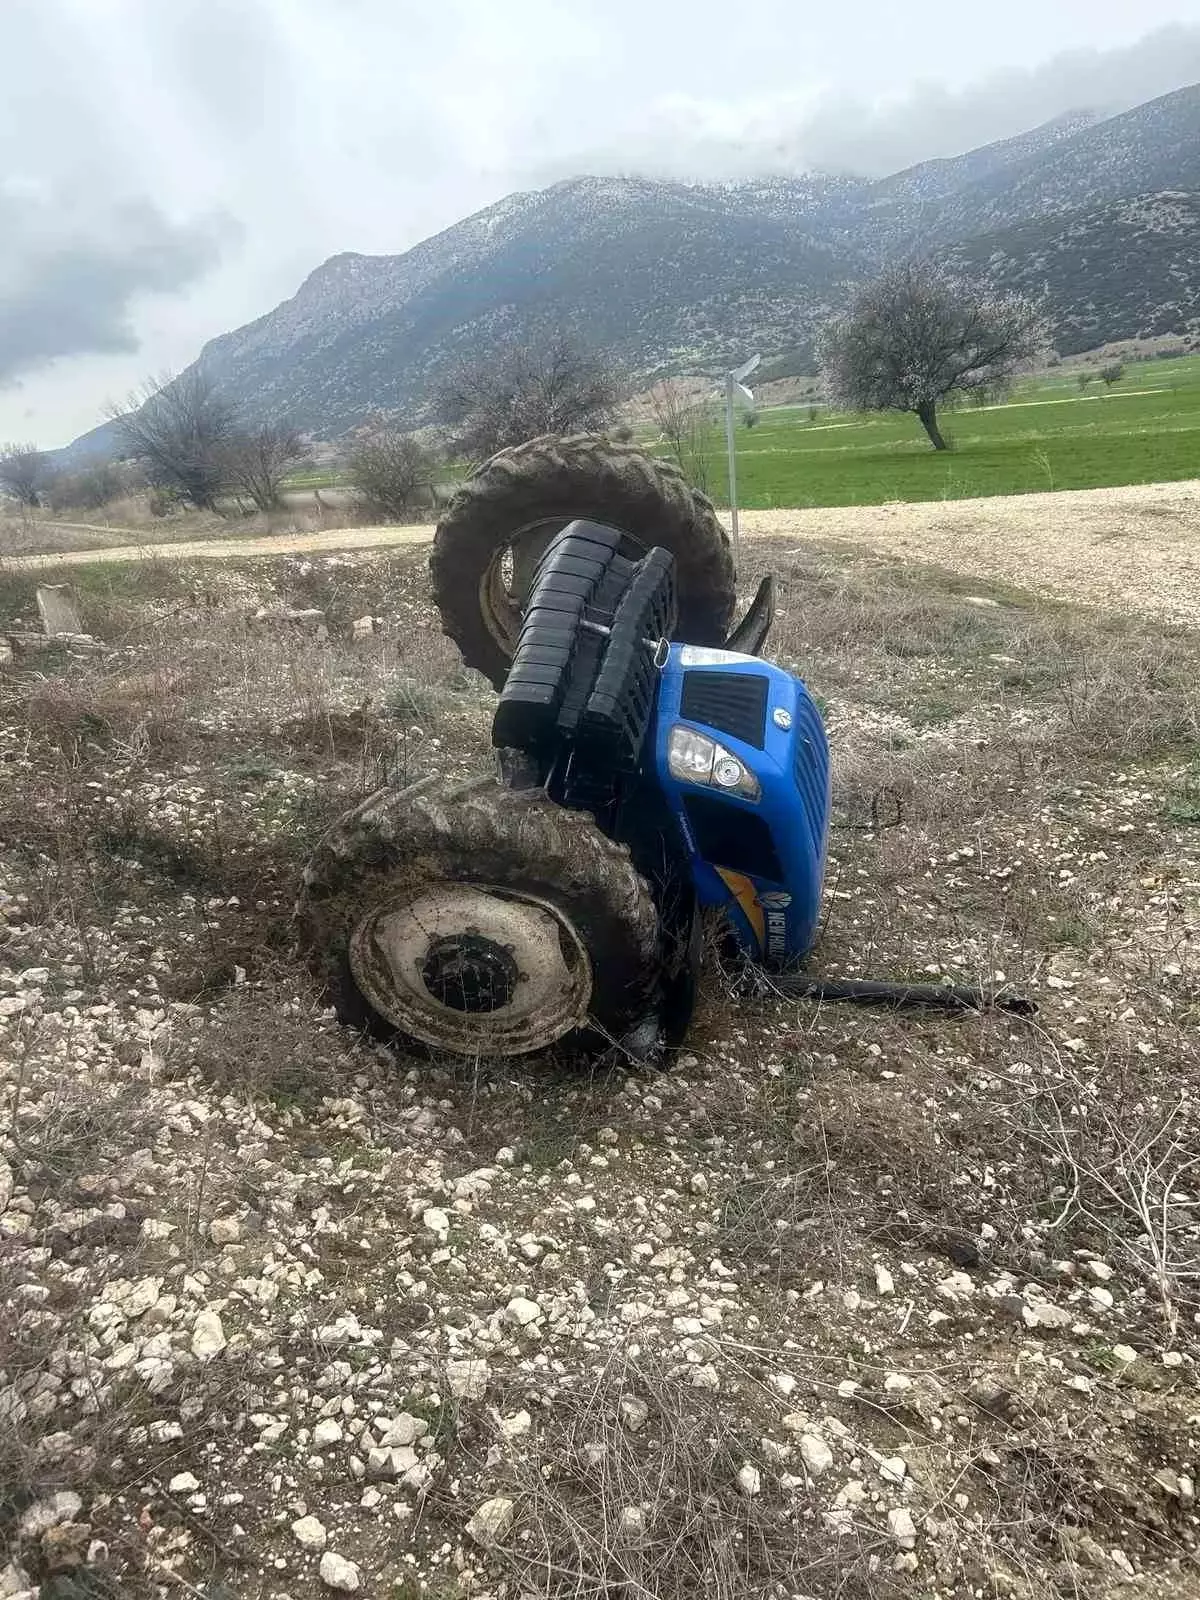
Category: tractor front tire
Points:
column 516, row 501
column 476, row 920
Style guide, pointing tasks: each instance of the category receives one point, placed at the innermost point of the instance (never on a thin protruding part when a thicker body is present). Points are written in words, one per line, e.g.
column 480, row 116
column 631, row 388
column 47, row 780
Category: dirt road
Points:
column 1135, row 548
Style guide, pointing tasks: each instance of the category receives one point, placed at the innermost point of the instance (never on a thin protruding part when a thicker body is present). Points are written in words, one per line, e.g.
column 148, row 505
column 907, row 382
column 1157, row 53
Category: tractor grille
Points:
column 812, row 771
column 731, row 702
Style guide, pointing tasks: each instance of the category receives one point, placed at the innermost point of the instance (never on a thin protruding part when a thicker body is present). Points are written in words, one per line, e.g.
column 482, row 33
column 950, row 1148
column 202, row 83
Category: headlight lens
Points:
column 693, row 757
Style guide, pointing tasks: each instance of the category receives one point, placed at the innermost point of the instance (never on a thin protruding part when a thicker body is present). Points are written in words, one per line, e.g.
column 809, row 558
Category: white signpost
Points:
column 733, row 387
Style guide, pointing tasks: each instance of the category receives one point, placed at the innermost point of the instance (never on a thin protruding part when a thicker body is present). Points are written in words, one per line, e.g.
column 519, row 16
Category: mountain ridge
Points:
column 668, row 276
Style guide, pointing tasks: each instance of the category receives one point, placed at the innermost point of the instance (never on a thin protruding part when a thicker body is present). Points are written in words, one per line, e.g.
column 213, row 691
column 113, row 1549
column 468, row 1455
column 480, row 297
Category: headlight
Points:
column 693, row 757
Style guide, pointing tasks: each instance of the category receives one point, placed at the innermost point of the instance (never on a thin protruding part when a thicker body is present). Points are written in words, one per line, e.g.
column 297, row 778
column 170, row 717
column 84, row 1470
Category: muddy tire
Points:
column 515, row 501
column 477, row 920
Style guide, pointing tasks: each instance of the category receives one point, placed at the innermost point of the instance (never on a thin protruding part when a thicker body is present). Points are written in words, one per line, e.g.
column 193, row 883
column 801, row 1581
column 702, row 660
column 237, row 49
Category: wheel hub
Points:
column 473, row 970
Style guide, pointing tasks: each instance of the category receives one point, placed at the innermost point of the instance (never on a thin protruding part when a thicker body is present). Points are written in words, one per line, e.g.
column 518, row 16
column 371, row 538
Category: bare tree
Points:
column 681, row 417
column 258, row 459
column 180, row 430
column 518, row 392
column 92, row 487
column 26, row 473
column 917, row 337
column 391, row 471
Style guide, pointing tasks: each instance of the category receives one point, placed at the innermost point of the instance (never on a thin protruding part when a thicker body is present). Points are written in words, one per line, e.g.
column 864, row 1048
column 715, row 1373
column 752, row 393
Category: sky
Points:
column 171, row 169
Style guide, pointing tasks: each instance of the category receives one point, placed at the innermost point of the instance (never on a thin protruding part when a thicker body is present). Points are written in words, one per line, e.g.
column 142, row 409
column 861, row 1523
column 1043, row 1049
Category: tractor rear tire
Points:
column 518, row 499
column 476, row 920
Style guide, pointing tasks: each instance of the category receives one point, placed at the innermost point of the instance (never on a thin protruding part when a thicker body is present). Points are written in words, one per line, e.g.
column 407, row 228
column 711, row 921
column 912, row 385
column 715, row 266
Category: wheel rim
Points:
column 473, row 970
column 505, row 580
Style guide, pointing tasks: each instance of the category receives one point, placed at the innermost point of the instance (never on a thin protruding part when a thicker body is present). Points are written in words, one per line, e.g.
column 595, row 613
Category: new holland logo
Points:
column 775, row 904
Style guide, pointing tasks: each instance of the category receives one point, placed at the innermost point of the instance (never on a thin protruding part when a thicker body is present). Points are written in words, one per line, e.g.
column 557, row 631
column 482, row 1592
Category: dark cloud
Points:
column 70, row 274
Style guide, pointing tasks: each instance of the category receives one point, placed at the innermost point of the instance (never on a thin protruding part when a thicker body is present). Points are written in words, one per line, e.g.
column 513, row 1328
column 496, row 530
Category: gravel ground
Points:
column 841, row 1304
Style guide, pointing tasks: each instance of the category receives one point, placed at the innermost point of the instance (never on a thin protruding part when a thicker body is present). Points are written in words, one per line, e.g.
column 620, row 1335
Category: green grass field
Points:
column 1049, row 435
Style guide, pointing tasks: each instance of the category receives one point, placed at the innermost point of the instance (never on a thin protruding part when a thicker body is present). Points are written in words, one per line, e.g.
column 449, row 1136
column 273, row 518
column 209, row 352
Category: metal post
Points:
column 732, row 451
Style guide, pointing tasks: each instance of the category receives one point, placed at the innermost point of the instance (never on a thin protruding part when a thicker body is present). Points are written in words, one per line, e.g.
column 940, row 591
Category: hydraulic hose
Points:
column 872, row 992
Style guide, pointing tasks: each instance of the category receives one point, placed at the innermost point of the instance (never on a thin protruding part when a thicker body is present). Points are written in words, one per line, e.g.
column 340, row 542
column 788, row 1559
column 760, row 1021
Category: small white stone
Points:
column 491, row 1522
column 208, row 1336
column 783, row 1383
column 1100, row 1270
column 634, row 1412
column 1121, row 1560
column 467, row 1378
column 1125, row 1353
column 884, row 1282
column 749, row 1479
column 893, row 1469
column 902, row 1528
column 958, row 1286
column 338, row 1573
column 224, row 1230
column 309, row 1534
column 516, row 1426
column 523, row 1312
column 815, row 1453
column 183, row 1483
column 327, row 1431
column 438, row 1223
column 897, row 1382
column 55, row 1509
column 632, row 1524
column 1101, row 1297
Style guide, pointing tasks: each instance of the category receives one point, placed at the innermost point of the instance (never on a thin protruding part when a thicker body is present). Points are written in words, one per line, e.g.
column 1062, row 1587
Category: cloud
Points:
column 71, row 273
column 830, row 129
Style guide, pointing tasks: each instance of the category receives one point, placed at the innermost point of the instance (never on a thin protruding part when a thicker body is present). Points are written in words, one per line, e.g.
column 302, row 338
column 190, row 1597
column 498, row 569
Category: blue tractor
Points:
column 656, row 781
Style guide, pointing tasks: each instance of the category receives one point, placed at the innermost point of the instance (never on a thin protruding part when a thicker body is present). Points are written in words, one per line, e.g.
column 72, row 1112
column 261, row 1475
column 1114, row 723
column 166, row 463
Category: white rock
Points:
column 391, row 1461
column 902, row 1528
column 1121, row 1560
column 208, row 1336
column 884, row 1282
column 327, row 1431
column 436, row 1220
column 634, row 1412
column 631, row 1523
column 1125, row 1353
column 309, row 1534
column 1100, row 1270
column 55, row 1509
column 1101, row 1297
column 852, row 1493
column 224, row 1230
column 958, row 1286
column 403, row 1430
column 338, row 1573
column 897, row 1382
column 491, row 1521
column 362, row 628
column 815, row 1453
column 783, row 1383
column 749, row 1479
column 183, row 1483
column 893, row 1469
column 6, row 1184
column 516, row 1426
column 468, row 1379
column 523, row 1312
column 14, row 1582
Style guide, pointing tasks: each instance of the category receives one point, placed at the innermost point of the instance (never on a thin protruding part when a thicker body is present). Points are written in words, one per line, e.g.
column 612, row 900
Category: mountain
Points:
column 1100, row 215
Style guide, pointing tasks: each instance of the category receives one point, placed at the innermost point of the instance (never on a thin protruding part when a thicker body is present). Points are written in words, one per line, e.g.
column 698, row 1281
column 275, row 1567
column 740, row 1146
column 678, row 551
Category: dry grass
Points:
column 1013, row 784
